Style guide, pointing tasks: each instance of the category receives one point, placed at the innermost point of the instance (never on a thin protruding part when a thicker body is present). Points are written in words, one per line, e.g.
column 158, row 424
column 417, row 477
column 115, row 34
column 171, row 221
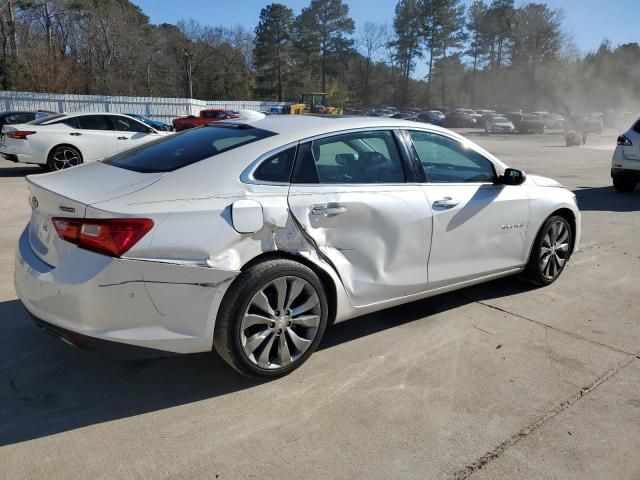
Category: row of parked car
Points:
column 56, row 141
column 492, row 121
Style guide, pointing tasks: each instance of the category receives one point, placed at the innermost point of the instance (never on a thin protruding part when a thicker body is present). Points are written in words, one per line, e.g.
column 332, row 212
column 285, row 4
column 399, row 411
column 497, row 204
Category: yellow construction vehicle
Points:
column 314, row 103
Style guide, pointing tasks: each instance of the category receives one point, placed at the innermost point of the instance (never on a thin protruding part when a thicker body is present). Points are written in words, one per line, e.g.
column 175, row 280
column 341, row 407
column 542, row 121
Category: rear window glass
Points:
column 181, row 149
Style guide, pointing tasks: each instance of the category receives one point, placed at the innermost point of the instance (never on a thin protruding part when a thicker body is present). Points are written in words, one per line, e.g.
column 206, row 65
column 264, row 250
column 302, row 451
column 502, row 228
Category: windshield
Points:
column 181, row 149
column 45, row 120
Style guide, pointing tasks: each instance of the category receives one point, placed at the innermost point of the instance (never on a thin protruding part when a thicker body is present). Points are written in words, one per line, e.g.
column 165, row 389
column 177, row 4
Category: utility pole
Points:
column 187, row 66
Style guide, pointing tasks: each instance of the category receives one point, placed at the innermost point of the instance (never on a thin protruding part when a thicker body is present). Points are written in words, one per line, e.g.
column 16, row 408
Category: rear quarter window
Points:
column 185, row 148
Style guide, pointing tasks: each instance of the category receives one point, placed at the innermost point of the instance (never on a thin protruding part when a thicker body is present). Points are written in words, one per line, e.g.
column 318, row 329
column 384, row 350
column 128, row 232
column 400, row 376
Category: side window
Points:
column 276, row 168
column 362, row 157
column 72, row 122
column 445, row 160
column 209, row 114
column 222, row 116
column 122, row 124
column 94, row 122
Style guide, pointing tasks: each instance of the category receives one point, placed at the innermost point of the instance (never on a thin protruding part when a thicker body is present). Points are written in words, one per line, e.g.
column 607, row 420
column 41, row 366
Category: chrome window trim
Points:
column 247, row 177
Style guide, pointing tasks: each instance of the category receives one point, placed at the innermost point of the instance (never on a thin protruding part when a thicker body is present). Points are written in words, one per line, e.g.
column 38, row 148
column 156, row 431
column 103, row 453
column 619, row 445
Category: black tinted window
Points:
column 122, row 124
column 363, row 157
column 184, row 148
column 445, row 160
column 276, row 168
column 94, row 122
column 72, row 122
column 19, row 118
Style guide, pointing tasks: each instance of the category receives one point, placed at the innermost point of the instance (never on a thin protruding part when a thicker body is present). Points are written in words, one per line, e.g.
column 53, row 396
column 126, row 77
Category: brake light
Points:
column 113, row 236
column 624, row 141
column 20, row 134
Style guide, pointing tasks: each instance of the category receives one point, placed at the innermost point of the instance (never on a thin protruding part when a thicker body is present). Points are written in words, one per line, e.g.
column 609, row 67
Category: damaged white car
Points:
column 251, row 238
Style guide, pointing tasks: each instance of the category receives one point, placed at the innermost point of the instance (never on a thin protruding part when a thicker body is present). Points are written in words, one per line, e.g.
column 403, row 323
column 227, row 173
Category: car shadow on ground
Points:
column 48, row 387
column 606, row 199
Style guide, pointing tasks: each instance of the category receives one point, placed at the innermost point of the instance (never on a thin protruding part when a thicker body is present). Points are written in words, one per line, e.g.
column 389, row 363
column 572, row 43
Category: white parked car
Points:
column 252, row 238
column 625, row 164
column 66, row 140
column 498, row 124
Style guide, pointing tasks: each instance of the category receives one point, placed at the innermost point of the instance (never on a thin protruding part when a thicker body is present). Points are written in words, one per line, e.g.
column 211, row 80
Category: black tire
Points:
column 534, row 271
column 71, row 156
column 236, row 302
column 624, row 184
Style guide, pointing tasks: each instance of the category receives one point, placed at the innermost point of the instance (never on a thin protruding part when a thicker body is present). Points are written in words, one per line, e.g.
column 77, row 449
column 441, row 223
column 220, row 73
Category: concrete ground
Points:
column 495, row 381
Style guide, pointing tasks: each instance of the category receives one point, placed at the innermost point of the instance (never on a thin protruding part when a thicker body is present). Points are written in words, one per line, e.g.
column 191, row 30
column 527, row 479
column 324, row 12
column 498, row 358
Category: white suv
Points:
column 625, row 165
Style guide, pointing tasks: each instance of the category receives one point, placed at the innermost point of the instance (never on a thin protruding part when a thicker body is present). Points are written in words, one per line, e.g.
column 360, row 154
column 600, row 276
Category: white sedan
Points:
column 66, row 140
column 253, row 237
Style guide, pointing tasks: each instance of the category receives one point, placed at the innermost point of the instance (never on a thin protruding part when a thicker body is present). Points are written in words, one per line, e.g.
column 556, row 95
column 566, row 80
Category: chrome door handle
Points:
column 75, row 134
column 446, row 202
column 328, row 210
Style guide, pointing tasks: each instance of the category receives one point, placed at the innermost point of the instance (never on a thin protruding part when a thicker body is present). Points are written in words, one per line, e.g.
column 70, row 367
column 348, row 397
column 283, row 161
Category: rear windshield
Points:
column 181, row 149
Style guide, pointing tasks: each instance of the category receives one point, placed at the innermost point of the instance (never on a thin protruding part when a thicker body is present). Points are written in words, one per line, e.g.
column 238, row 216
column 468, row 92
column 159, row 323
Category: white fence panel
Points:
column 163, row 109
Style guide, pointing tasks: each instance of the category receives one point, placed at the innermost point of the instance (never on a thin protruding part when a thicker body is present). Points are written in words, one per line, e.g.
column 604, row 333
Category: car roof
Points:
column 302, row 126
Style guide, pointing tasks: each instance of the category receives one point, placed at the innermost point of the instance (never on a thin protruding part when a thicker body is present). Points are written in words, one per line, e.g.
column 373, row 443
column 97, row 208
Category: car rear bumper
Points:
column 150, row 304
column 625, row 164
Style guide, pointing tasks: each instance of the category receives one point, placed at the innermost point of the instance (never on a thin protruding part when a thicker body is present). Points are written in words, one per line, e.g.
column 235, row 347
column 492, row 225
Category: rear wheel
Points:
column 550, row 251
column 624, row 184
column 271, row 319
column 62, row 157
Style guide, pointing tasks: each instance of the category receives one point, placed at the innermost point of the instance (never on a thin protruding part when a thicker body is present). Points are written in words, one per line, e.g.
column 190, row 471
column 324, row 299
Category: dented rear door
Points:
column 376, row 235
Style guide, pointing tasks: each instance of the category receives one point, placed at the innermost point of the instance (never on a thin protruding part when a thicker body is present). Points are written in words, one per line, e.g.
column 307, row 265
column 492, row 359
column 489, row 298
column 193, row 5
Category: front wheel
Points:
column 550, row 251
column 62, row 157
column 624, row 184
column 271, row 319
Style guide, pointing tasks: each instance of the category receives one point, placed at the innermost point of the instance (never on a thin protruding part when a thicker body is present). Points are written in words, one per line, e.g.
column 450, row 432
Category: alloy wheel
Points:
column 280, row 323
column 65, row 158
column 554, row 250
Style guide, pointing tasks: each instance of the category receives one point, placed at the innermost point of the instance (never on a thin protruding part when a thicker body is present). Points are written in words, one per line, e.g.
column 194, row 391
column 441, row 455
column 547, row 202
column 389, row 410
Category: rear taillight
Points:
column 624, row 141
column 20, row 134
column 112, row 236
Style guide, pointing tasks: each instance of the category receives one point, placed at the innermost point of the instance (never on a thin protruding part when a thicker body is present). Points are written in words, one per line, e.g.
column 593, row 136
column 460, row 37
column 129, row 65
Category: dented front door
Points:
column 376, row 236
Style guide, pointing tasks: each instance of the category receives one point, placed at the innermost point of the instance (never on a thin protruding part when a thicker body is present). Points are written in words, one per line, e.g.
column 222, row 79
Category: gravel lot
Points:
column 495, row 381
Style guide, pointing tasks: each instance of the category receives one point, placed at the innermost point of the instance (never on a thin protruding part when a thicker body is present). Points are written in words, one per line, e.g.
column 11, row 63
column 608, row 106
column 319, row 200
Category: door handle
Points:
column 75, row 134
column 446, row 202
column 123, row 138
column 328, row 210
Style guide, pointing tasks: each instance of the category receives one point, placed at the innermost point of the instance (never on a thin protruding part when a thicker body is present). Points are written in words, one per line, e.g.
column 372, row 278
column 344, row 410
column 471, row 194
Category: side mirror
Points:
column 512, row 176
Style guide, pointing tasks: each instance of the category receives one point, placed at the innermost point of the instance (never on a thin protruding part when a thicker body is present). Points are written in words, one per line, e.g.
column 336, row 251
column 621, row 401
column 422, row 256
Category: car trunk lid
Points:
column 68, row 193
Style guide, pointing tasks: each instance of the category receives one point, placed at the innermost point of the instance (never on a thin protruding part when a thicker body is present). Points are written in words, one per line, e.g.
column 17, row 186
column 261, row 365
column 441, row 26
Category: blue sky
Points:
column 587, row 21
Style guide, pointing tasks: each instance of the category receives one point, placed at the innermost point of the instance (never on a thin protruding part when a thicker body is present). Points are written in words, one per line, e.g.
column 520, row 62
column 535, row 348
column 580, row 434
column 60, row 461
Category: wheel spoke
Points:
column 563, row 236
column 295, row 290
column 284, row 355
column 309, row 321
column 263, row 359
column 281, row 292
column 544, row 266
column 255, row 340
column 311, row 302
column 563, row 247
column 262, row 303
column 252, row 319
column 300, row 343
column 559, row 261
